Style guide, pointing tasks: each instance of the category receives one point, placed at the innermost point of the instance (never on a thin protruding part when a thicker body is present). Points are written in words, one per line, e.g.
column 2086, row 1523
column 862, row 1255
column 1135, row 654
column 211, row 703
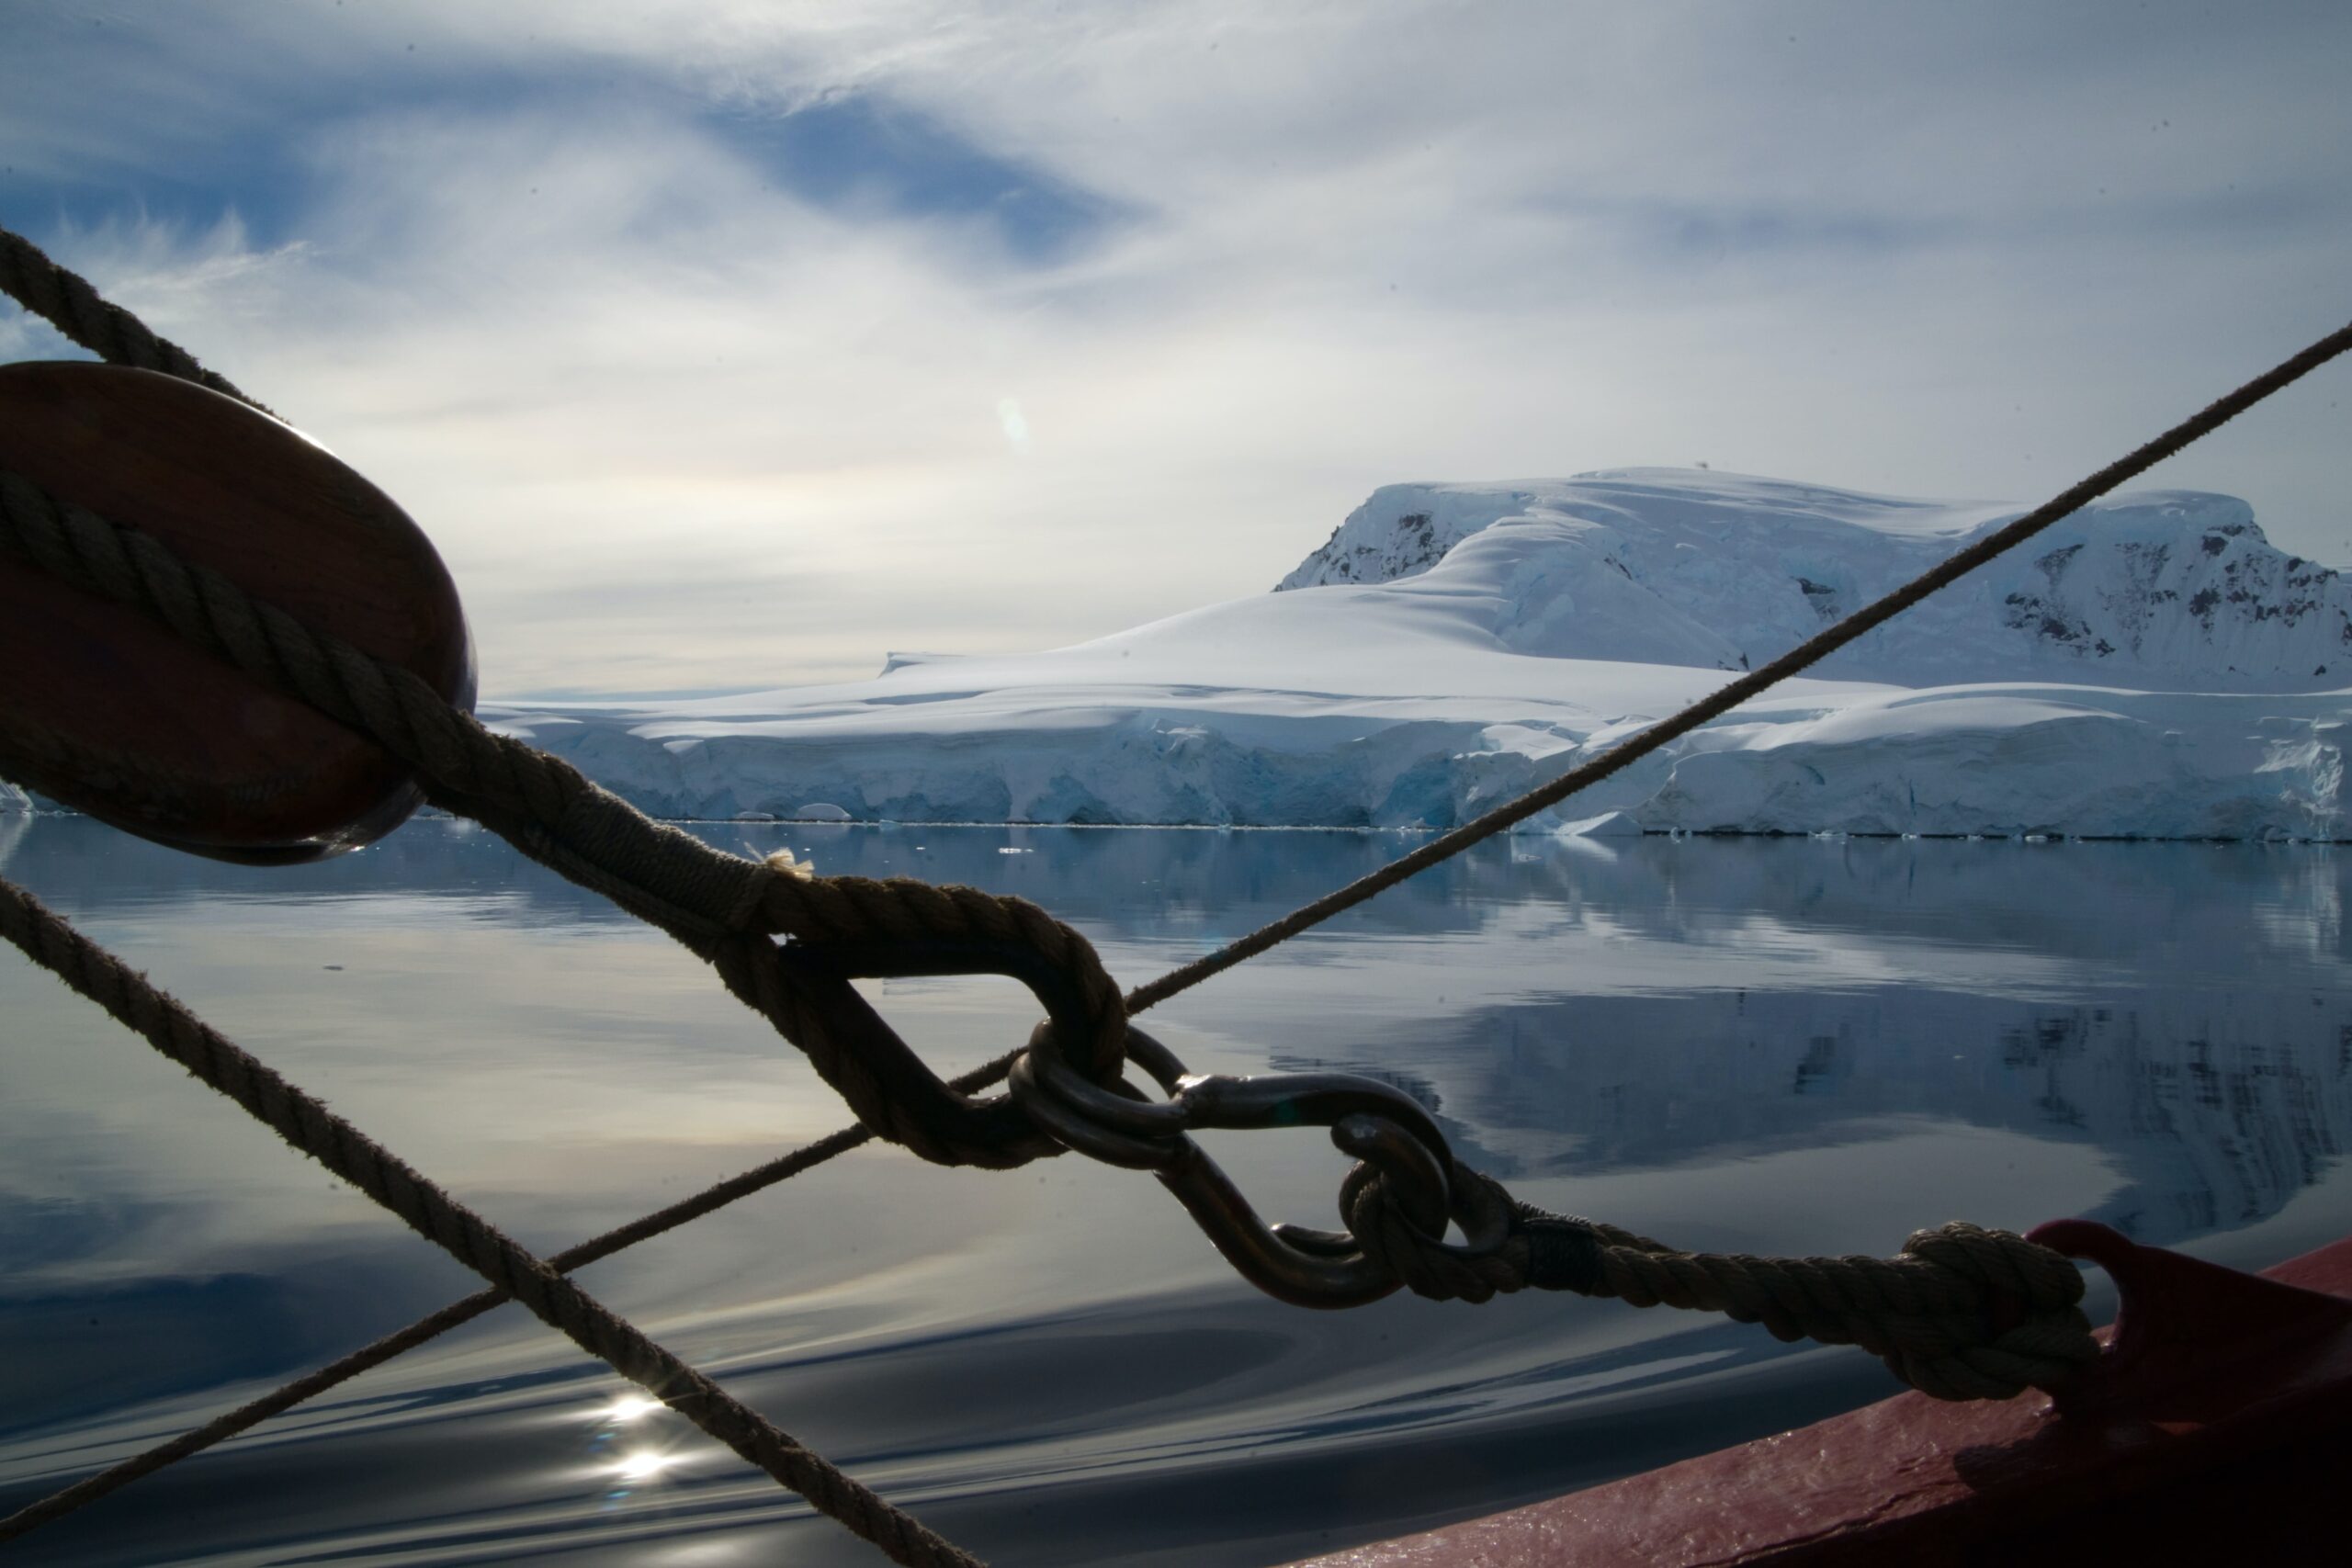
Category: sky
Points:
column 723, row 345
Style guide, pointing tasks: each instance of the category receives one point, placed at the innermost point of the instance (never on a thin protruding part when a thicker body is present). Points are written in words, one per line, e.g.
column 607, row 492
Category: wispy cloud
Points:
column 691, row 331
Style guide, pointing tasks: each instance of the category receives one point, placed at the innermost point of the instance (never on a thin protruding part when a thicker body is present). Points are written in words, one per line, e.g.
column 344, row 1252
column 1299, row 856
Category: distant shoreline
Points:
column 1678, row 834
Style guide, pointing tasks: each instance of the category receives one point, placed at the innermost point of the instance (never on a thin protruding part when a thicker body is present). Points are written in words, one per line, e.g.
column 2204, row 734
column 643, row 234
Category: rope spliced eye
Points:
column 105, row 710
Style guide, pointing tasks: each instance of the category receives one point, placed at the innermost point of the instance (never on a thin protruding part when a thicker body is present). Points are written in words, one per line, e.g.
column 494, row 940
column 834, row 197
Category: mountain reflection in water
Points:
column 1770, row 1045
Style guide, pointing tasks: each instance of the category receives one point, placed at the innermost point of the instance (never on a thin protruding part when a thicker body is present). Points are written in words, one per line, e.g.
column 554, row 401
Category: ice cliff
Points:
column 2150, row 667
column 2167, row 588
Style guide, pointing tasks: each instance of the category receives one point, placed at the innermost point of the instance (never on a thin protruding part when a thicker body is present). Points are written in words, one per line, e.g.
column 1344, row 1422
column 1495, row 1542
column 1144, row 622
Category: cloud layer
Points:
column 729, row 346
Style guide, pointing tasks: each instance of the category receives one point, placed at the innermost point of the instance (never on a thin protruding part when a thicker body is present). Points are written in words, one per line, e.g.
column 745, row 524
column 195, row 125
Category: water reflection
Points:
column 1788, row 1045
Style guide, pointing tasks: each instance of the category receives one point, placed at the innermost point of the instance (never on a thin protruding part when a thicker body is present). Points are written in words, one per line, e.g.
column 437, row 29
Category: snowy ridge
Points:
column 2152, row 667
column 2159, row 587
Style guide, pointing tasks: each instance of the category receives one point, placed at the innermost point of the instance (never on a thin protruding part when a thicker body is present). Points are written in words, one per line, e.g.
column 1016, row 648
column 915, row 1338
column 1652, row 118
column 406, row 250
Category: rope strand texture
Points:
column 221, row 1427
column 67, row 302
column 309, row 1126
column 719, row 906
column 1964, row 1313
column 1630, row 1266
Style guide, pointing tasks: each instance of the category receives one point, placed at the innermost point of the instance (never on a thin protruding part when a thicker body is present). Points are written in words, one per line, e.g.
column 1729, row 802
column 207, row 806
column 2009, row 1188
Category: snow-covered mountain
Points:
column 2150, row 667
column 2161, row 589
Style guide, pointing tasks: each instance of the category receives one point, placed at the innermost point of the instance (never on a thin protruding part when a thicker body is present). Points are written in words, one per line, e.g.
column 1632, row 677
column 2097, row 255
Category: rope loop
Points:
column 1377, row 1212
column 1050, row 955
column 1963, row 1313
column 803, row 987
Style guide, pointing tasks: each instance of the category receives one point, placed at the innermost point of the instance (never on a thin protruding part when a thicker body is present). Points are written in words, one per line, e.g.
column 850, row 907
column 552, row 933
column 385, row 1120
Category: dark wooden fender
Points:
column 105, row 711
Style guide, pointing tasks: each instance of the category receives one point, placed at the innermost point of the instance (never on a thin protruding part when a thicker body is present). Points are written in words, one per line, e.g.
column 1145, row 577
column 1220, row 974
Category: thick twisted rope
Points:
column 221, row 1427
column 721, row 906
column 718, row 905
column 307, row 1125
column 66, row 300
column 1632, row 1268
column 1965, row 1312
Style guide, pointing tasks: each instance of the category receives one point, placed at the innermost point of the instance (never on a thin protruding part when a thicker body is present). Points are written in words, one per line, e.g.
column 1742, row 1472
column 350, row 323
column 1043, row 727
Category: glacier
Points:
column 2150, row 667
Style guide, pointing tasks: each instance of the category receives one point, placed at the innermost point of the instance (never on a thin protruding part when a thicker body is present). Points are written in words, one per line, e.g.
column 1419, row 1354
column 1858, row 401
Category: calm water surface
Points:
column 1770, row 1045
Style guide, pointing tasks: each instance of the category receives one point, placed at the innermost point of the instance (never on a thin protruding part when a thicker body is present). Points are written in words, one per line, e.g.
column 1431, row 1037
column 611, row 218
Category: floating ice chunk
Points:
column 1608, row 825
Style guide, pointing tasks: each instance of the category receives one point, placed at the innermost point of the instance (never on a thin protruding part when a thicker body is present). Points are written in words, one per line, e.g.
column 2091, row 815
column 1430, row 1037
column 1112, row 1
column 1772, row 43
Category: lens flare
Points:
column 644, row 1466
column 1015, row 424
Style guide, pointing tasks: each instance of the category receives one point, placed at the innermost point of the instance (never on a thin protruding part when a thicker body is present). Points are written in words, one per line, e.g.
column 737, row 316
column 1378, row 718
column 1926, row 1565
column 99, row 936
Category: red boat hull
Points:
column 2221, row 1433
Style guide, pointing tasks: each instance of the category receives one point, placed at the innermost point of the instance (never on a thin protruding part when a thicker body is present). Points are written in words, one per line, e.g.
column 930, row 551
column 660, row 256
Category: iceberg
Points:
column 2150, row 667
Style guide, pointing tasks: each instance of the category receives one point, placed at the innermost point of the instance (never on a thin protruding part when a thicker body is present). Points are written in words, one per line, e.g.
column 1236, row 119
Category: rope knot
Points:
column 1379, row 1216
column 1999, row 1264
column 2022, row 1326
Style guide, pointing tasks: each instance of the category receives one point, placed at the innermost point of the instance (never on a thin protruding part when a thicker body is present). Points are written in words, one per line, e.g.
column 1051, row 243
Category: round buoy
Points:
column 105, row 711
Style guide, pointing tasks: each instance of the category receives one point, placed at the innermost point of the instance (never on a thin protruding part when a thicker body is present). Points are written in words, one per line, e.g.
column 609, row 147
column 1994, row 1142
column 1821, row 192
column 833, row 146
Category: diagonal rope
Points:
column 66, row 300
column 305, row 1122
column 721, row 907
column 1188, row 976
column 90, row 1488
column 1728, row 697
column 1453, row 842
